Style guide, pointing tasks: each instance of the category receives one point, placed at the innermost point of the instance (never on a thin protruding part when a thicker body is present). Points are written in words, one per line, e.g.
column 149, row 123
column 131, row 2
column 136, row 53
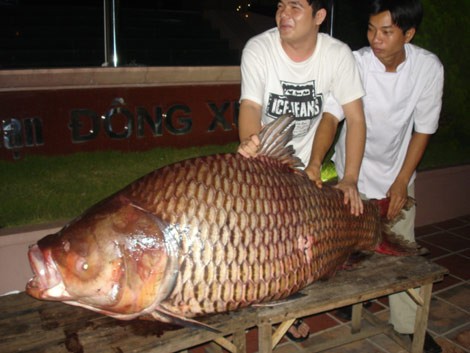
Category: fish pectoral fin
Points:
column 161, row 314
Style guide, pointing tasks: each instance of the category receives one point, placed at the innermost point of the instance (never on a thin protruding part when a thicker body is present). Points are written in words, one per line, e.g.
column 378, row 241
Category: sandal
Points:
column 297, row 324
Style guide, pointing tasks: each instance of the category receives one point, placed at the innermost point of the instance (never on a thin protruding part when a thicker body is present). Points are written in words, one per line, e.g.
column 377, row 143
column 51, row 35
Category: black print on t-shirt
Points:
column 301, row 100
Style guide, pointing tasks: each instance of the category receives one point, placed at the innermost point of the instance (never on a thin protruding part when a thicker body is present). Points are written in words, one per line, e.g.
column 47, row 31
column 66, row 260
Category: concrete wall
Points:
column 442, row 194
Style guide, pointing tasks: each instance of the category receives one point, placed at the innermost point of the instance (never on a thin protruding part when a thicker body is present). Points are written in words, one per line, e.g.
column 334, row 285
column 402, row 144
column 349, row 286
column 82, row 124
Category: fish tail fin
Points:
column 392, row 243
column 395, row 245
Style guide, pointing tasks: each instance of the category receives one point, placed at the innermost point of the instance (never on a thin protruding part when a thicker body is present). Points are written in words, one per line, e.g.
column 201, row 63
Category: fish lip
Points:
column 46, row 282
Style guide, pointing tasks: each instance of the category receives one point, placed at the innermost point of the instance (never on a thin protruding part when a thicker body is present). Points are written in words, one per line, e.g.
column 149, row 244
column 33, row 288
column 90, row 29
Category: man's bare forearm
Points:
column 323, row 140
column 355, row 139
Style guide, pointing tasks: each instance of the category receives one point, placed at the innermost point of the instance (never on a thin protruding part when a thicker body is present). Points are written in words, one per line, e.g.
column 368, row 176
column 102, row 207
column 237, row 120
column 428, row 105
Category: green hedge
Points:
column 445, row 31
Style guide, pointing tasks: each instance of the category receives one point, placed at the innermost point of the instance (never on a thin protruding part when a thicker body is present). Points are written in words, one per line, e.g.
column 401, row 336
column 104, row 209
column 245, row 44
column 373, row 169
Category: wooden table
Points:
column 379, row 276
column 33, row 326
column 29, row 325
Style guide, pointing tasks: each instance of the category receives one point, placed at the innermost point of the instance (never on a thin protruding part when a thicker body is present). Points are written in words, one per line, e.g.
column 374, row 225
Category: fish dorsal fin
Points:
column 274, row 138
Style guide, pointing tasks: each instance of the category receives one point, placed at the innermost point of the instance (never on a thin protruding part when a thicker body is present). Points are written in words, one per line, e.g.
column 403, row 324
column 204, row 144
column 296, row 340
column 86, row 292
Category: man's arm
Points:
column 322, row 142
column 355, row 144
column 398, row 191
column 249, row 126
column 355, row 139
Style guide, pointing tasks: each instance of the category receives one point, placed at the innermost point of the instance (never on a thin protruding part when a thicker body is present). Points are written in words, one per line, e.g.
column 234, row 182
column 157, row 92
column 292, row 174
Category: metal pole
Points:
column 110, row 10
column 105, row 27
column 332, row 16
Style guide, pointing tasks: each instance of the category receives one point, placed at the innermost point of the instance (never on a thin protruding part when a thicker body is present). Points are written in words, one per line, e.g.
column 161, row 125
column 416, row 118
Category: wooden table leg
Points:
column 356, row 317
column 213, row 348
column 265, row 343
column 239, row 340
column 421, row 321
column 281, row 331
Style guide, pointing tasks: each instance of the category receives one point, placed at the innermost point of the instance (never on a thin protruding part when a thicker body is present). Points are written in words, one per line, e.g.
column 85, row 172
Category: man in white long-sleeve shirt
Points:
column 404, row 85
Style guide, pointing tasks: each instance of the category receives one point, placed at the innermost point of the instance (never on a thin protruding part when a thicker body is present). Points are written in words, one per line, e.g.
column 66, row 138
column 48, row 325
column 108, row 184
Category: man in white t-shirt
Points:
column 404, row 85
column 293, row 69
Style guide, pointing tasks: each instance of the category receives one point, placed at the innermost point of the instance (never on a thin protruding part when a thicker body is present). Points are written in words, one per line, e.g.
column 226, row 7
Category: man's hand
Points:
column 351, row 195
column 314, row 174
column 398, row 194
column 249, row 147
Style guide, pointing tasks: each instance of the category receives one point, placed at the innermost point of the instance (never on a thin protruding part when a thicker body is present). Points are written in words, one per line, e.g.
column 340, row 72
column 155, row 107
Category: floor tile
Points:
column 426, row 230
column 461, row 337
column 463, row 231
column 449, row 346
column 457, row 265
column 447, row 282
column 443, row 317
column 387, row 344
column 330, row 334
column 465, row 253
column 327, row 335
column 252, row 340
column 451, row 223
column 458, row 296
column 320, row 322
column 384, row 301
column 376, row 306
column 383, row 316
column 447, row 240
column 363, row 346
column 434, row 251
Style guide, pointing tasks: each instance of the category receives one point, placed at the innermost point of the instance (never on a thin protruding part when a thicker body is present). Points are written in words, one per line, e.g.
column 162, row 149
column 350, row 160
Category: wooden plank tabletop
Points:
column 30, row 325
column 377, row 276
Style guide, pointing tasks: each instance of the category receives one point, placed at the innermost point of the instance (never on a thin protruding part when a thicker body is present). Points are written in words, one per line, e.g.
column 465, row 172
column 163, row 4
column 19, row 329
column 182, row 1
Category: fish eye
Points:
column 82, row 265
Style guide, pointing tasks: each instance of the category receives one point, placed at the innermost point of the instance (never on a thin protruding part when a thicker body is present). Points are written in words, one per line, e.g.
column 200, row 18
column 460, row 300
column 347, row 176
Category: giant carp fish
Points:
column 207, row 235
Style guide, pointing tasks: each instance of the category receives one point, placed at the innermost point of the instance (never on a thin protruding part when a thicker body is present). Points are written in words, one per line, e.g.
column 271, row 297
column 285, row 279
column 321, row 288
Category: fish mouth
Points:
column 46, row 282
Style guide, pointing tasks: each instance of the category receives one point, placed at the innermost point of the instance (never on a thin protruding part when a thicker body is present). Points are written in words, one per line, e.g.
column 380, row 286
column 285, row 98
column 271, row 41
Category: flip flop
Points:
column 296, row 324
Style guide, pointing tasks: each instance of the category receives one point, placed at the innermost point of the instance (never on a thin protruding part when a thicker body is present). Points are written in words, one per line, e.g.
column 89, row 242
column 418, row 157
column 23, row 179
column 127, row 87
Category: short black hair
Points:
column 319, row 4
column 406, row 14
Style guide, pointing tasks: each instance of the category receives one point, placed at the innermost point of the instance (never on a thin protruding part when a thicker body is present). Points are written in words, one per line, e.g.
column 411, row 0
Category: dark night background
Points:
column 54, row 33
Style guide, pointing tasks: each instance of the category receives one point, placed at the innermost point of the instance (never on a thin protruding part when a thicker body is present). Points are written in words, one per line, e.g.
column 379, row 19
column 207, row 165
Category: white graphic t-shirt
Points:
column 281, row 85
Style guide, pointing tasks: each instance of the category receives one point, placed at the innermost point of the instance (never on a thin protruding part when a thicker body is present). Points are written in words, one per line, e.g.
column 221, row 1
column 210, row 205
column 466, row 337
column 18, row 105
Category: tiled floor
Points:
column 449, row 318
